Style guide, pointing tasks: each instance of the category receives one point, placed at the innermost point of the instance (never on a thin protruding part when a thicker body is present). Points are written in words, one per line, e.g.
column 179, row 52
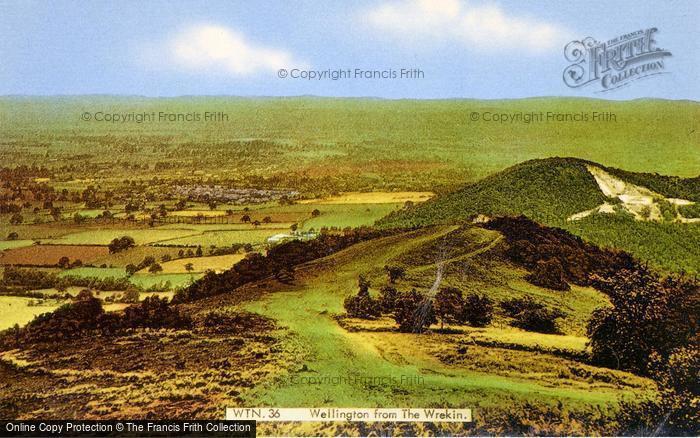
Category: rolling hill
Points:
column 654, row 217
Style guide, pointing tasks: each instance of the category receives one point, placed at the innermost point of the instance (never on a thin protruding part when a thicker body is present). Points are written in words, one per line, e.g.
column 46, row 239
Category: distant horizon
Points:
column 314, row 96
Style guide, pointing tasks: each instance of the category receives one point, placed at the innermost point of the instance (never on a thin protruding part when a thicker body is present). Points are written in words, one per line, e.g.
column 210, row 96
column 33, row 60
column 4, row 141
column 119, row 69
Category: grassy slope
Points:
column 551, row 190
column 324, row 349
column 545, row 190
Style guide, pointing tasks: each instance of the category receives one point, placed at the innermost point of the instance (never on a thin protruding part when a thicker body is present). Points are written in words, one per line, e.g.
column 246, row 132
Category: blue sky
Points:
column 465, row 48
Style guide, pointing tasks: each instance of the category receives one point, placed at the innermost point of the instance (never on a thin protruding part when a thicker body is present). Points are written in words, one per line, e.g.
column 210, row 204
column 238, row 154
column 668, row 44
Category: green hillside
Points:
column 551, row 190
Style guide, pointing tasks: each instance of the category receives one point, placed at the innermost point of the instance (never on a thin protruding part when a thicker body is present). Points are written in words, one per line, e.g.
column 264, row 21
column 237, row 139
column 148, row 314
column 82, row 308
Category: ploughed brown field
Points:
column 49, row 255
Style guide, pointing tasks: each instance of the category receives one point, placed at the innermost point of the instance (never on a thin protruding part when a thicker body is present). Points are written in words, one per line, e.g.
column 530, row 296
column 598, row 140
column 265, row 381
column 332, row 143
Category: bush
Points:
column 674, row 409
column 531, row 316
column 477, row 310
column 85, row 317
column 413, row 312
column 395, row 273
column 649, row 315
column 154, row 312
column 362, row 305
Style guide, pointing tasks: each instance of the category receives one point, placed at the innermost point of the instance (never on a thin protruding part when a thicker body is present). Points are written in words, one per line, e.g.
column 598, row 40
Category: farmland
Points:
column 18, row 310
column 383, row 211
column 49, row 255
column 201, row 264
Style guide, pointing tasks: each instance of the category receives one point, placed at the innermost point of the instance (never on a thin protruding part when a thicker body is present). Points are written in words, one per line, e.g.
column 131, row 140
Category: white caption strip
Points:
column 422, row 415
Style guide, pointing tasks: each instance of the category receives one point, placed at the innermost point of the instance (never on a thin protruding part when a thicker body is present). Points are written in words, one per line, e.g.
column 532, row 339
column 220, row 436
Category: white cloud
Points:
column 485, row 27
column 219, row 49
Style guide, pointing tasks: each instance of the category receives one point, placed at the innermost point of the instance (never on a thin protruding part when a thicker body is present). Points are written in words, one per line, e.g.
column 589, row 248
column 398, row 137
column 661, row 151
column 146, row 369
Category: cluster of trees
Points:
column 65, row 263
column 280, row 258
column 556, row 257
column 119, row 244
column 413, row 311
column 147, row 262
column 35, row 279
column 85, row 316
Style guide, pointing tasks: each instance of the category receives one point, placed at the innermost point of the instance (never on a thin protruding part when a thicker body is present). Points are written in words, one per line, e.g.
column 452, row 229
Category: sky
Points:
column 463, row 48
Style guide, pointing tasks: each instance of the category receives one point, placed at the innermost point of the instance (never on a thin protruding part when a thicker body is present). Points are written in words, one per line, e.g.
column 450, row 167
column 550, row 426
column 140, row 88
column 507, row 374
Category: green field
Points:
column 104, row 237
column 176, row 280
column 349, row 215
column 94, row 272
column 225, row 238
column 9, row 244
column 15, row 310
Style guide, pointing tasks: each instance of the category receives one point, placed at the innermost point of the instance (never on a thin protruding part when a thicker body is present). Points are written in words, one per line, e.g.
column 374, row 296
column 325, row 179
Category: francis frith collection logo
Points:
column 615, row 63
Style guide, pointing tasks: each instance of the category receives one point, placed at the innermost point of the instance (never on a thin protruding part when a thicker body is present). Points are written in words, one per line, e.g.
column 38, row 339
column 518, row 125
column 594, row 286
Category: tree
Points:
column 16, row 219
column 294, row 227
column 199, row 252
column 388, row 297
column 131, row 295
column 245, row 218
column 78, row 218
column 131, row 269
column 256, row 223
column 267, row 220
column 189, row 267
column 63, row 262
column 316, row 213
column 121, row 244
column 413, row 312
column 448, row 305
column 13, row 236
column 477, row 310
column 395, row 273
column 649, row 316
column 181, row 204
column 155, row 268
column 362, row 305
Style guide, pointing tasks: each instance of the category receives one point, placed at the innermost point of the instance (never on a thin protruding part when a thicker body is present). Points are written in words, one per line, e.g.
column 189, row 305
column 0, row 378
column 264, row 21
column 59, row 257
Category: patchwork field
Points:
column 135, row 255
column 200, row 264
column 49, row 255
column 415, row 165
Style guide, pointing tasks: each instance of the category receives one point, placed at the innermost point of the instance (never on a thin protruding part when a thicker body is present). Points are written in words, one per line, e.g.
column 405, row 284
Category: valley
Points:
column 319, row 252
